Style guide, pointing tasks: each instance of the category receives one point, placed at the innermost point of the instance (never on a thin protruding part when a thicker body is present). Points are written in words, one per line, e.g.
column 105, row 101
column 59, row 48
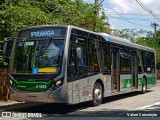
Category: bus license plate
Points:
column 31, row 98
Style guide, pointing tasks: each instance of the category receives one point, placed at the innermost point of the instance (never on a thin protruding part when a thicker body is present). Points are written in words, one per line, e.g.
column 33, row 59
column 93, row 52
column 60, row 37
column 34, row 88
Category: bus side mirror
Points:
column 7, row 46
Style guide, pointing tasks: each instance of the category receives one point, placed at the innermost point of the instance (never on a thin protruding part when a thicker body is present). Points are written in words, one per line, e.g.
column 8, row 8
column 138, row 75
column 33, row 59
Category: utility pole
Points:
column 154, row 25
column 96, row 12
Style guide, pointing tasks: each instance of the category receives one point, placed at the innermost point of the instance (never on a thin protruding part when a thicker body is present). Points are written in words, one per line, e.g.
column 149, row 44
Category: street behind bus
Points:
column 120, row 103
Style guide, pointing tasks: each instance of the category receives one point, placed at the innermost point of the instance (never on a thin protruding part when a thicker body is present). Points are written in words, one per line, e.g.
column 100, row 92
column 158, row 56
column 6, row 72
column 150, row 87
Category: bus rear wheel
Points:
column 97, row 94
column 144, row 86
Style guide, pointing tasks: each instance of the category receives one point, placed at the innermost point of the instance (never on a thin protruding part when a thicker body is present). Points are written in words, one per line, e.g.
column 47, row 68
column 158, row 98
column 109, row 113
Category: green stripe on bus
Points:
column 139, row 81
column 151, row 80
column 32, row 86
column 128, row 82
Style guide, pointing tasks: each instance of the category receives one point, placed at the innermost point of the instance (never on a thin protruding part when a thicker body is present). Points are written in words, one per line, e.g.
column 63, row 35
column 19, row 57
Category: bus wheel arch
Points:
column 144, row 84
column 97, row 93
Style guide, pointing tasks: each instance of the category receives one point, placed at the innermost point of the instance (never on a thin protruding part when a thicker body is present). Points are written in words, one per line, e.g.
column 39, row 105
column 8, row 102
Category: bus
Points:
column 67, row 64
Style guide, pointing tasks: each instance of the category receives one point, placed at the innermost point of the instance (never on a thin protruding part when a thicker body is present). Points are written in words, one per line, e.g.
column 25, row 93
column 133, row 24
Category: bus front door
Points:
column 134, row 69
column 115, row 75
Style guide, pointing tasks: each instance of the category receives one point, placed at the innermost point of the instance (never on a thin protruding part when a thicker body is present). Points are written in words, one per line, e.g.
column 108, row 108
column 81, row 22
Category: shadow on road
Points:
column 122, row 96
column 63, row 109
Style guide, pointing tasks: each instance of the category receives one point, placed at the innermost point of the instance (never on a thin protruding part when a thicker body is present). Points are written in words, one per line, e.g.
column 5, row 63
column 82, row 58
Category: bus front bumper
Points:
column 56, row 96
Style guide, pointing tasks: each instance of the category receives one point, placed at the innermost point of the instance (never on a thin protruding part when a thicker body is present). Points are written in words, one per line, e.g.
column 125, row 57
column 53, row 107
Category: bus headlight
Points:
column 55, row 85
column 58, row 82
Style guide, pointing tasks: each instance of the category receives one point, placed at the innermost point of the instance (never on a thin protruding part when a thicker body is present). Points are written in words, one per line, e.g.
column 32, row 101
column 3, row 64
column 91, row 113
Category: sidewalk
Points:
column 158, row 81
column 7, row 103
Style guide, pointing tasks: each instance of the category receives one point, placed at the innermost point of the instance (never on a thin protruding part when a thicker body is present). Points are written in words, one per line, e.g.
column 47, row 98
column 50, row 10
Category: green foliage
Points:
column 77, row 13
column 17, row 14
column 158, row 34
column 130, row 34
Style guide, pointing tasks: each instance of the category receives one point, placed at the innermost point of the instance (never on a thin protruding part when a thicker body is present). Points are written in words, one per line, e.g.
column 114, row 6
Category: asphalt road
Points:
column 126, row 106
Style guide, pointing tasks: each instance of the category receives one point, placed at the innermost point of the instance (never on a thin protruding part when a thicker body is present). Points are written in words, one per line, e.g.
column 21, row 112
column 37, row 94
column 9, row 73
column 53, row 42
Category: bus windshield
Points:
column 38, row 56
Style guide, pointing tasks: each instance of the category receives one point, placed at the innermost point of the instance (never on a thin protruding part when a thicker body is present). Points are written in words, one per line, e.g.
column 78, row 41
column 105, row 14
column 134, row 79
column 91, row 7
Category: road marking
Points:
column 147, row 106
column 152, row 108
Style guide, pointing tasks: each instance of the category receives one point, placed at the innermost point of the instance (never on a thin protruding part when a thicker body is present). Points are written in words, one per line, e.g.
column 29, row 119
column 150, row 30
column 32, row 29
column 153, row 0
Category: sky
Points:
column 124, row 14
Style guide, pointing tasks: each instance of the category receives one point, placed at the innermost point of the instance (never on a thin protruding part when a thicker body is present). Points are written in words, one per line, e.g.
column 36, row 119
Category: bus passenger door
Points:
column 115, row 68
column 78, row 72
column 134, row 69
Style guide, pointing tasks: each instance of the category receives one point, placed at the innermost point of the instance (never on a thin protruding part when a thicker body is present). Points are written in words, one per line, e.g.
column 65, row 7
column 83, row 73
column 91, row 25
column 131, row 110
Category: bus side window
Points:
column 125, row 61
column 153, row 63
column 80, row 54
column 77, row 55
column 77, row 65
column 106, row 57
column 93, row 60
column 72, row 56
column 139, row 66
column 148, row 61
column 72, row 70
column 81, row 60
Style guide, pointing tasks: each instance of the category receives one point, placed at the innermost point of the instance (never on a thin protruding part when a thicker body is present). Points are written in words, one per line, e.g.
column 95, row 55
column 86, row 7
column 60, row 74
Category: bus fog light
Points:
column 58, row 82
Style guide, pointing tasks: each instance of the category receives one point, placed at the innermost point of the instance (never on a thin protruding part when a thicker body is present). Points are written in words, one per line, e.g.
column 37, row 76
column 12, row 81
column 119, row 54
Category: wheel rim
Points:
column 144, row 87
column 98, row 94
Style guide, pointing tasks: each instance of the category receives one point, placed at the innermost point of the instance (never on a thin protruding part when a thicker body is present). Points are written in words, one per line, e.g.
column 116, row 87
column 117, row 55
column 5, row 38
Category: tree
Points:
column 14, row 17
column 152, row 43
column 130, row 34
column 17, row 14
column 77, row 13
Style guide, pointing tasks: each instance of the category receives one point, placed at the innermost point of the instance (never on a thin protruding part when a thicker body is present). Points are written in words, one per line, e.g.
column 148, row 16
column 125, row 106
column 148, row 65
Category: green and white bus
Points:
column 67, row 64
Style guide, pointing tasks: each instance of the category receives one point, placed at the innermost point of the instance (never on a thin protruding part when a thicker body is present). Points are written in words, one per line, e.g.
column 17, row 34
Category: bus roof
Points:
column 113, row 39
column 126, row 42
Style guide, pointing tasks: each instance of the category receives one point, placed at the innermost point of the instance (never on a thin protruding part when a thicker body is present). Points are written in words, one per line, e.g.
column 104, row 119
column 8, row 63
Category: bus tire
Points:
column 144, row 86
column 97, row 94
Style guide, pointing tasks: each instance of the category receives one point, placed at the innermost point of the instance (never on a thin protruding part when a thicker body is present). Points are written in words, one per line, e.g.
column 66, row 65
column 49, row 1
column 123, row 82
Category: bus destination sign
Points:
column 42, row 32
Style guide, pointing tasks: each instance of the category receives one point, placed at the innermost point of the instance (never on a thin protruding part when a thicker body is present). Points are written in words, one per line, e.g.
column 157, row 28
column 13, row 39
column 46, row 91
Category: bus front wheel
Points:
column 144, row 86
column 97, row 94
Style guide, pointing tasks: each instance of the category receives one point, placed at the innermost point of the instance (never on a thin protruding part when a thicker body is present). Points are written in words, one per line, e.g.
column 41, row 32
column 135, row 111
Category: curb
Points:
column 9, row 104
column 158, row 81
